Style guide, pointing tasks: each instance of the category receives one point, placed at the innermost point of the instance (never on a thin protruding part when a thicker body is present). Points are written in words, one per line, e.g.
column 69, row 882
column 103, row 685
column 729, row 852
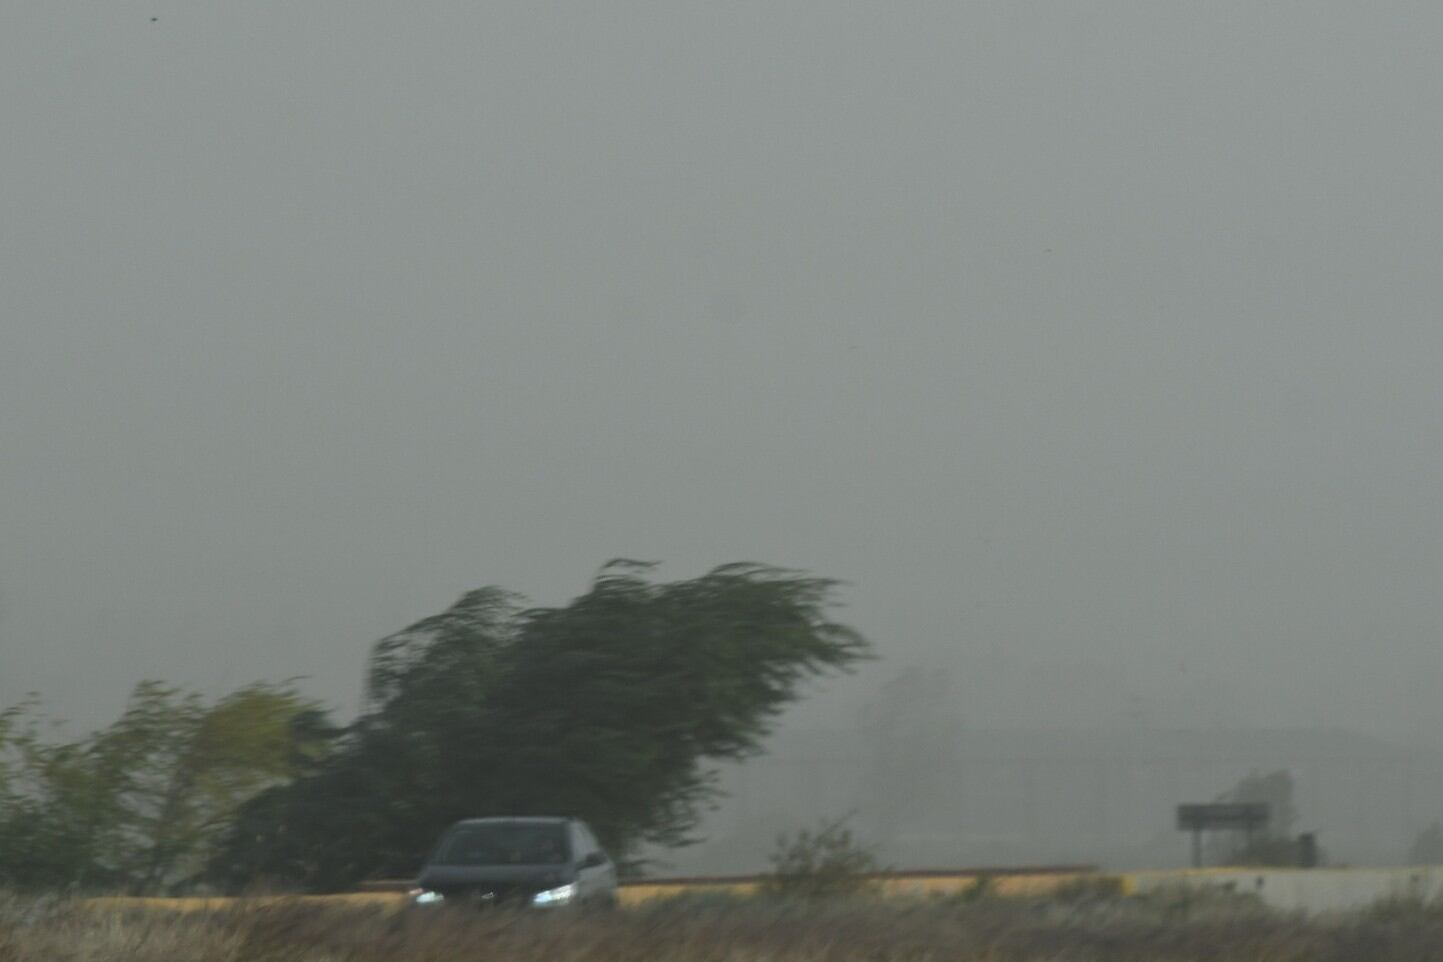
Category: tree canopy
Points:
column 609, row 708
column 142, row 804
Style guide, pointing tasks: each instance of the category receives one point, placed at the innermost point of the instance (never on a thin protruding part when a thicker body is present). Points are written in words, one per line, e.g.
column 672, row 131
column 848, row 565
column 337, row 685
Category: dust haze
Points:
column 1094, row 345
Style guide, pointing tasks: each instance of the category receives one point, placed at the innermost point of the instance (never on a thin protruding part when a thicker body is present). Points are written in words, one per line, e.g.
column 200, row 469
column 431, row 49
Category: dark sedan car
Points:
column 532, row 861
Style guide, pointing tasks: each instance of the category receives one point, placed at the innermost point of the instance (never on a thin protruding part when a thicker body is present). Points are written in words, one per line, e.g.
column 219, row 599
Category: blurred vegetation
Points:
column 610, row 708
column 142, row 805
column 1427, row 848
column 1275, row 845
column 1212, row 929
column 821, row 862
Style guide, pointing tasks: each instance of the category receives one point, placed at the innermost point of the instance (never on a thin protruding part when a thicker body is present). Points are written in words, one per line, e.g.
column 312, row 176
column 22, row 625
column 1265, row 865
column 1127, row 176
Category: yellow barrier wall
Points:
column 1307, row 890
column 638, row 893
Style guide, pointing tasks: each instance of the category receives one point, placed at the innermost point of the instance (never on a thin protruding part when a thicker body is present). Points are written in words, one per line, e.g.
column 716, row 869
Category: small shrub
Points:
column 822, row 862
column 1403, row 907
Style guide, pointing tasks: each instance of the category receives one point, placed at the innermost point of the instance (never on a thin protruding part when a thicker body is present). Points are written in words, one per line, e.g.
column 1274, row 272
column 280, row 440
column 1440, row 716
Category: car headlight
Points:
column 557, row 896
column 426, row 897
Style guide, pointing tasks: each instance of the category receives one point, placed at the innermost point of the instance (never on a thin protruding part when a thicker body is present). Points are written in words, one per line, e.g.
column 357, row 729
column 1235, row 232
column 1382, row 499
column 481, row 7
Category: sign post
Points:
column 1246, row 817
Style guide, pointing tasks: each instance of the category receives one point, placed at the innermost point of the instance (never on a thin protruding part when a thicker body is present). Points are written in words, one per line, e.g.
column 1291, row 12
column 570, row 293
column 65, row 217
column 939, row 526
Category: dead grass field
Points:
column 1160, row 929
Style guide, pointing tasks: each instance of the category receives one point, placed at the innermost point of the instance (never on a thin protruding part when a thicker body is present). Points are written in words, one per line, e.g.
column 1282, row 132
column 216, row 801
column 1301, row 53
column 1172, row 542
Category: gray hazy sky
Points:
column 1097, row 344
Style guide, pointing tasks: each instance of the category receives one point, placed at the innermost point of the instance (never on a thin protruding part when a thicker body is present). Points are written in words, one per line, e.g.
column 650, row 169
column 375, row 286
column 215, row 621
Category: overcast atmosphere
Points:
column 1095, row 345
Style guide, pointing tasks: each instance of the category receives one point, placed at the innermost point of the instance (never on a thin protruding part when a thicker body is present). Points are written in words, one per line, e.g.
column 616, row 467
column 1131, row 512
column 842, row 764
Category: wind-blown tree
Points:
column 371, row 806
column 611, row 708
column 141, row 804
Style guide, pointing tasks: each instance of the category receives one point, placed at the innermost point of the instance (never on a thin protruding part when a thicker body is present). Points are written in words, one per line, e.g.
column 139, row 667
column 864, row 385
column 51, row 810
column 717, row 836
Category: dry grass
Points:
column 721, row 930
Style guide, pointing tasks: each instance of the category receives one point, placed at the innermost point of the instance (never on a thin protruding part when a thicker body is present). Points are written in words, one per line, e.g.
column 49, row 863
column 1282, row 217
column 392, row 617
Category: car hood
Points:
column 500, row 880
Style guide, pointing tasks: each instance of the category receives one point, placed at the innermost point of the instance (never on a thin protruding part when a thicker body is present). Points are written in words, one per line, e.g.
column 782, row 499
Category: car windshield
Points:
column 505, row 843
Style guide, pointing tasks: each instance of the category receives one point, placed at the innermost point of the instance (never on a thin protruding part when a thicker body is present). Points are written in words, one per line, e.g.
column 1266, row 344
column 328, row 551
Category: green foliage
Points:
column 373, row 807
column 141, row 804
column 608, row 708
column 611, row 702
column 821, row 862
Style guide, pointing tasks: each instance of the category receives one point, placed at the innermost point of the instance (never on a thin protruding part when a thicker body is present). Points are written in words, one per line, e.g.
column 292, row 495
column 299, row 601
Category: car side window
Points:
column 580, row 844
column 588, row 842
